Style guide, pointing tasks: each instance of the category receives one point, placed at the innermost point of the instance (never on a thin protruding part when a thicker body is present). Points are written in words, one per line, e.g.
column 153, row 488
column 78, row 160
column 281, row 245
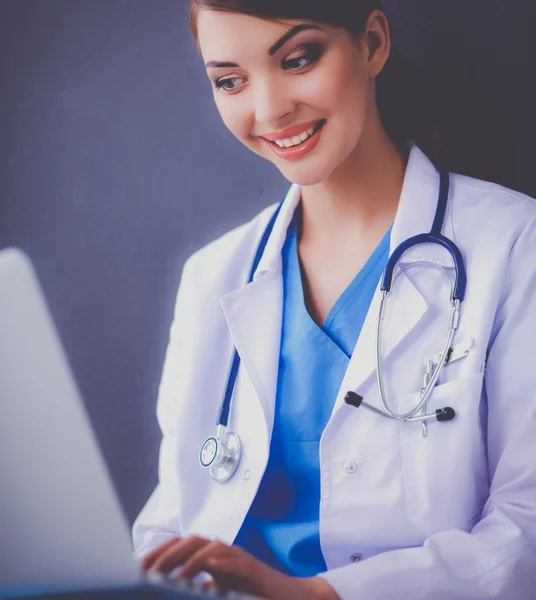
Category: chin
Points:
column 305, row 175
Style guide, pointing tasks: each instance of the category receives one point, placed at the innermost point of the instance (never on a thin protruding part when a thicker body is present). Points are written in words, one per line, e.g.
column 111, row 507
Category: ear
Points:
column 377, row 42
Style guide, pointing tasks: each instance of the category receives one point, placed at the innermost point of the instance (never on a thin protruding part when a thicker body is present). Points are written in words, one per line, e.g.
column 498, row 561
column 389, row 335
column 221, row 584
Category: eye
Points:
column 303, row 57
column 228, row 84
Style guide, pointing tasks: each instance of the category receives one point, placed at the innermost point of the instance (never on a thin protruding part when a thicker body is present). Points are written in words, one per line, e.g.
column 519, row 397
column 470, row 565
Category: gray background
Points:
column 114, row 167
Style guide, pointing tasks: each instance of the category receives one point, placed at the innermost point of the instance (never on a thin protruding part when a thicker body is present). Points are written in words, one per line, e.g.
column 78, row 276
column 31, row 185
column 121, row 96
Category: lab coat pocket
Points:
column 446, row 474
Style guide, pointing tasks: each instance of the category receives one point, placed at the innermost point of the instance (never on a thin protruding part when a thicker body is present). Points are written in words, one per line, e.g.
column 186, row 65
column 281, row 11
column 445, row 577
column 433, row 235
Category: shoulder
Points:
column 490, row 202
column 490, row 213
column 225, row 262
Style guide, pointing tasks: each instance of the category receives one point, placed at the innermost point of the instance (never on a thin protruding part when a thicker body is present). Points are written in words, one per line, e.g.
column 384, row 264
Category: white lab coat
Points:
column 449, row 516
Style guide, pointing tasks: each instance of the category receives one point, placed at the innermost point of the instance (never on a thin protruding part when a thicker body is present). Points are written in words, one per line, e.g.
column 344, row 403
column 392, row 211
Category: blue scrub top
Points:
column 282, row 526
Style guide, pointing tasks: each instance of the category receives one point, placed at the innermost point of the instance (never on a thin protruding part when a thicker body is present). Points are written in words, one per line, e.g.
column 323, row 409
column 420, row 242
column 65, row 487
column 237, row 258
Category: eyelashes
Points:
column 309, row 55
column 227, row 83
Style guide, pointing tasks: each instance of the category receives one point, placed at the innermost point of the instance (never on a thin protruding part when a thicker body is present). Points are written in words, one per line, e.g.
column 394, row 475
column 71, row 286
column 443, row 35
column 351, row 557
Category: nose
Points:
column 273, row 102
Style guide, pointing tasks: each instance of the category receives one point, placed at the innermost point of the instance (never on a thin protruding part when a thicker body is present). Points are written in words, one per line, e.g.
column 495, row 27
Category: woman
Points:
column 330, row 499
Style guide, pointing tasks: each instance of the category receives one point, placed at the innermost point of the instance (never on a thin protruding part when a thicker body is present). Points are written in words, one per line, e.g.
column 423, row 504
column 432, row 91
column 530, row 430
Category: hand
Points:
column 233, row 569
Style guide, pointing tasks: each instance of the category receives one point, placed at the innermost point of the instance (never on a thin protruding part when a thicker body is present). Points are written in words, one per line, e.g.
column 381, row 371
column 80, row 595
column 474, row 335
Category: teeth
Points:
column 296, row 140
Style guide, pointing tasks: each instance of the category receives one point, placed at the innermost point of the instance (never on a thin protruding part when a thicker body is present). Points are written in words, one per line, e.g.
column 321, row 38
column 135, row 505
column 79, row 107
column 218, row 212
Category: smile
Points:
column 296, row 140
column 296, row 146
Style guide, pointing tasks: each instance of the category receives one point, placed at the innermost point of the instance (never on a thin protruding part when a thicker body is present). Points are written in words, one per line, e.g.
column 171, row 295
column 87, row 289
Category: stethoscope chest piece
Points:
column 221, row 454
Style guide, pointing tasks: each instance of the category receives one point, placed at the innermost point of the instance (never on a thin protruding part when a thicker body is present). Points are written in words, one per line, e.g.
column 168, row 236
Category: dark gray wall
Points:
column 114, row 167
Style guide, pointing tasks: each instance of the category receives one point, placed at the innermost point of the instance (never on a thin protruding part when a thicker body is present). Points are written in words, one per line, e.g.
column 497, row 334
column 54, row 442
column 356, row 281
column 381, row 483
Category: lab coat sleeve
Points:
column 497, row 559
column 159, row 521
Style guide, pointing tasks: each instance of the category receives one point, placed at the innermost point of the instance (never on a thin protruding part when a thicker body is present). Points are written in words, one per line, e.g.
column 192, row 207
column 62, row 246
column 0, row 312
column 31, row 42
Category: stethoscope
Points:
column 221, row 453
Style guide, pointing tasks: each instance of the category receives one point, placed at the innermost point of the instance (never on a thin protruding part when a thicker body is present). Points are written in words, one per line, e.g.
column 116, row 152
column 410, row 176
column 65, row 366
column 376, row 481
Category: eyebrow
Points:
column 290, row 34
column 273, row 49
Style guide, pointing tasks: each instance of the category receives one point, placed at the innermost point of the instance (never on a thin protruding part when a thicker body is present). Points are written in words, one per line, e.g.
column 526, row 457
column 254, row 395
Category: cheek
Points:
column 348, row 90
column 349, row 99
column 339, row 91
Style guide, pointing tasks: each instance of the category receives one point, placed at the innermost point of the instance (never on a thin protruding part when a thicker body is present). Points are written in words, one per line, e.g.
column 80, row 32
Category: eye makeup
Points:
column 225, row 81
column 309, row 54
column 301, row 58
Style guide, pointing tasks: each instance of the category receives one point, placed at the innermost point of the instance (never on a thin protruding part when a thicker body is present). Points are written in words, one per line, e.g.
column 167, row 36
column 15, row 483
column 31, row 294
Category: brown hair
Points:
column 406, row 102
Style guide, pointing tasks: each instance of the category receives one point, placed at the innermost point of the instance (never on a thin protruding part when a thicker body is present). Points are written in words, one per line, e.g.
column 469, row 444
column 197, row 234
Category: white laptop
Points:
column 61, row 525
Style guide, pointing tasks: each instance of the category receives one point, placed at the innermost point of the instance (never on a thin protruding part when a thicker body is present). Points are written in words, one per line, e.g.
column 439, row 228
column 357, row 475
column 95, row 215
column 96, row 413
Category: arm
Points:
column 158, row 521
column 497, row 559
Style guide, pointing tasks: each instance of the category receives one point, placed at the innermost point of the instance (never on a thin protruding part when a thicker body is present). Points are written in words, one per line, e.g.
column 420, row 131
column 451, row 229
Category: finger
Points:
column 150, row 558
column 231, row 568
column 198, row 561
column 178, row 553
column 237, row 573
column 233, row 565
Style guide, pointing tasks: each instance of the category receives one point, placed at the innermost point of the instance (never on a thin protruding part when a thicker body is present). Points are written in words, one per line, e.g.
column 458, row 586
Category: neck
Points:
column 360, row 196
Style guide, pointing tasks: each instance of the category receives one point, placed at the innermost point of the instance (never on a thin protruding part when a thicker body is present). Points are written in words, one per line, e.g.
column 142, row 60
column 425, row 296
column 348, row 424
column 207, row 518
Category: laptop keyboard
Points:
column 188, row 590
column 175, row 591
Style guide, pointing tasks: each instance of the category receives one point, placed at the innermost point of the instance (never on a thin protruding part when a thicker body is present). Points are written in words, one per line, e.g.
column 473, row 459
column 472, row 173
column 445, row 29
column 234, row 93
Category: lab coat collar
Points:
column 271, row 258
column 417, row 208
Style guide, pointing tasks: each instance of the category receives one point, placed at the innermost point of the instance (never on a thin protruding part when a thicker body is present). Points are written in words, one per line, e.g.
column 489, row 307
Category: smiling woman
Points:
column 407, row 104
column 310, row 495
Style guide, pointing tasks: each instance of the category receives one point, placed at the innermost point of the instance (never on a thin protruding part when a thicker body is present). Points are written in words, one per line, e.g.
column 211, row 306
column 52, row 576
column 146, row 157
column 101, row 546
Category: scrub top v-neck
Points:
column 282, row 525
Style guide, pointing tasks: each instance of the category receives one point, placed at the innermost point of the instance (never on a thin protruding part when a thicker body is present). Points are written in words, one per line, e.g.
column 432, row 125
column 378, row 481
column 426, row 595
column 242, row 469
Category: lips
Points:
column 290, row 132
column 297, row 151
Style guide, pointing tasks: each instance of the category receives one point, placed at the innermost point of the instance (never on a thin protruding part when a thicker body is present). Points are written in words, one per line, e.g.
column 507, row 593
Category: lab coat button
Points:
column 350, row 466
column 247, row 474
column 357, row 557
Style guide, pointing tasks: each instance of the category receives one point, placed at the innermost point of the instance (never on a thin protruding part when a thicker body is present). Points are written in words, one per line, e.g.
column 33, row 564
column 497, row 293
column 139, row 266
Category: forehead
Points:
column 229, row 36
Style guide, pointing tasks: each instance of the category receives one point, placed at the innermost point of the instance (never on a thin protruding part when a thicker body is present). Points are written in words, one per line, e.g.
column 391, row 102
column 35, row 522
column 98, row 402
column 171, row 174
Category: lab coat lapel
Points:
column 407, row 308
column 254, row 313
column 400, row 321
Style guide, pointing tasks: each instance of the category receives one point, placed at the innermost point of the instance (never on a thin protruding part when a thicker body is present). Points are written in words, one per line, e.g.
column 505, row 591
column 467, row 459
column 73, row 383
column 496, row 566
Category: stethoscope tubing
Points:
column 434, row 236
column 226, row 449
column 458, row 294
column 428, row 389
